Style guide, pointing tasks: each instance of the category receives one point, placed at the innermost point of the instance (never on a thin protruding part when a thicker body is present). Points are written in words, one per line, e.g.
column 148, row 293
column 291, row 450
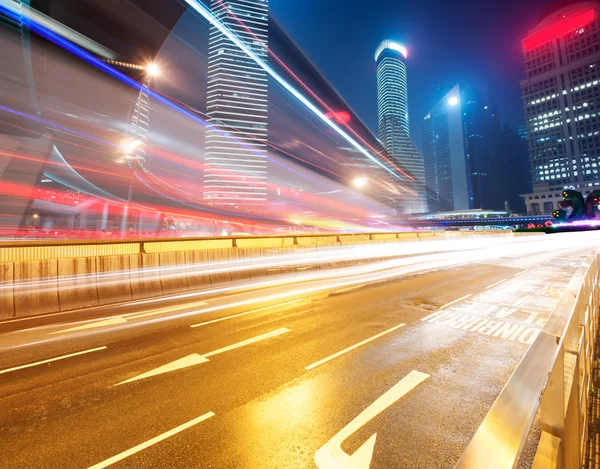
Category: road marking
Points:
column 153, row 441
column 494, row 284
column 253, row 340
column 94, row 325
column 455, row 301
column 29, row 365
column 197, row 359
column 185, row 362
column 160, row 311
column 343, row 290
column 521, row 273
column 490, row 327
column 355, row 346
column 246, row 313
column 331, row 455
column 521, row 300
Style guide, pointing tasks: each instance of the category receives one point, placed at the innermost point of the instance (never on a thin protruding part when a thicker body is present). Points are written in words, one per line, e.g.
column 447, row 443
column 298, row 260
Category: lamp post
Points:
column 134, row 147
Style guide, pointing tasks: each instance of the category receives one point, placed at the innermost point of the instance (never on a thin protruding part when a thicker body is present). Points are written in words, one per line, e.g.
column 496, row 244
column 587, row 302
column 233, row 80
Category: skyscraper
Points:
column 562, row 111
column 394, row 132
column 235, row 166
column 445, row 150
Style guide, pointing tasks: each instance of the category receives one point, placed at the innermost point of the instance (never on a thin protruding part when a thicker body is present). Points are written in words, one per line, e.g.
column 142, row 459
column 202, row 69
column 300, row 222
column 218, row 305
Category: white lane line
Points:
column 521, row 273
column 197, row 359
column 350, row 288
column 246, row 313
column 455, row 301
column 495, row 284
column 154, row 313
column 29, row 365
column 355, row 346
column 153, row 441
column 93, row 325
column 253, row 340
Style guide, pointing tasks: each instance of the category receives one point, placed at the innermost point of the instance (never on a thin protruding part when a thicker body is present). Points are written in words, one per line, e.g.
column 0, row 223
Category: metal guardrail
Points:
column 552, row 381
column 23, row 250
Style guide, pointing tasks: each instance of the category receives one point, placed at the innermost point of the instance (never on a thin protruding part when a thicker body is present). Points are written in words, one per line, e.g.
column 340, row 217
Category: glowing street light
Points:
column 152, row 69
column 360, row 182
column 129, row 146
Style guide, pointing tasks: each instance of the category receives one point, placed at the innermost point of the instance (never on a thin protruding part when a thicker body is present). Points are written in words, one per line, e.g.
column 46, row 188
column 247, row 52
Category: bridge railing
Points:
column 552, row 383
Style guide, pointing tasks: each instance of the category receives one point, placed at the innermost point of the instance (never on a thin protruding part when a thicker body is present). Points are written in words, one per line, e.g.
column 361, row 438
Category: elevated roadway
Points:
column 394, row 366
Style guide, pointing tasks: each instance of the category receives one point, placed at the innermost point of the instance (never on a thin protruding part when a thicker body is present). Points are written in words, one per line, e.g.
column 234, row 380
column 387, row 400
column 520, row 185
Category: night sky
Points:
column 474, row 42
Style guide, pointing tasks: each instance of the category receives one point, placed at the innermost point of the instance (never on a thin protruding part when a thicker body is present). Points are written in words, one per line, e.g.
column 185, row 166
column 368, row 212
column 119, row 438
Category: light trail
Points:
column 311, row 92
column 206, row 14
column 325, row 256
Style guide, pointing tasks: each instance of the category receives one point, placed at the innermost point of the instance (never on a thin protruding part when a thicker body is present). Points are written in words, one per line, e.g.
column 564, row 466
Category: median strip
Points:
column 50, row 360
column 153, row 441
column 355, row 346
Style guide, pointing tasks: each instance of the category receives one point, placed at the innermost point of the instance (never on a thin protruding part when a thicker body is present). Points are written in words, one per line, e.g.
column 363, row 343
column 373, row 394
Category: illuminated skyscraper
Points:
column 235, row 170
column 562, row 111
column 445, row 149
column 392, row 97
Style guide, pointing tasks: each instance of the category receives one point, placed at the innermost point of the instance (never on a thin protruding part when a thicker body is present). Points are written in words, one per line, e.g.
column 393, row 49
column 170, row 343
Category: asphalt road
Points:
column 288, row 375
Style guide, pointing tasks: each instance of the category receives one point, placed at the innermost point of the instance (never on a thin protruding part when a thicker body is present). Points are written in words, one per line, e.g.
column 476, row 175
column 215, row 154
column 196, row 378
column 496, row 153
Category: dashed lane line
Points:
column 246, row 313
column 50, row 360
column 456, row 301
column 495, row 284
column 355, row 346
column 153, row 441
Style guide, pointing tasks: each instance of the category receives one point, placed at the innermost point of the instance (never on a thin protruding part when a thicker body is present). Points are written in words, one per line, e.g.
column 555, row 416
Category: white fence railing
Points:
column 552, row 381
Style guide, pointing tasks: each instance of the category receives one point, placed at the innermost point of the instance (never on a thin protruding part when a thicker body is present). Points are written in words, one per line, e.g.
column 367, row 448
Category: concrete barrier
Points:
column 330, row 240
column 144, row 276
column 214, row 256
column 31, row 299
column 119, row 287
column 153, row 268
column 264, row 242
column 196, row 262
column 385, row 236
column 354, row 238
column 77, row 286
column 7, row 303
column 173, row 279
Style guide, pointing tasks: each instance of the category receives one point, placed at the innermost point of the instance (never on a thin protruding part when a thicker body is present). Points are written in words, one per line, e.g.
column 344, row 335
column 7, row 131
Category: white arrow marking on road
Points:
column 196, row 359
column 113, row 321
column 93, row 325
column 331, row 455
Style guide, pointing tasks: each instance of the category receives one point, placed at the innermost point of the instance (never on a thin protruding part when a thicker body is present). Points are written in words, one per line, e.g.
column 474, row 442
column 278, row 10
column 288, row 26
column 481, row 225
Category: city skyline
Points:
column 487, row 55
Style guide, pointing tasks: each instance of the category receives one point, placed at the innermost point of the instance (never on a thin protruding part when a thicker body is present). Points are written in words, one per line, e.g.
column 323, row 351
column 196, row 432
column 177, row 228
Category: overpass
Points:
column 512, row 221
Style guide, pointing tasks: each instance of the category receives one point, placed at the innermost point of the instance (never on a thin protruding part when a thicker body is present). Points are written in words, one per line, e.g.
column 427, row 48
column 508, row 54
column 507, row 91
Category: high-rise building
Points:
column 235, row 165
column 394, row 132
column 562, row 110
column 445, row 150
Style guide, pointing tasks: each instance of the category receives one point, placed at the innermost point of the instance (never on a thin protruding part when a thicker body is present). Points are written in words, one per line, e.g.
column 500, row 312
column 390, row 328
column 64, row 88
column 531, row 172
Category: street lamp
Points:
column 129, row 146
column 152, row 69
column 360, row 182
